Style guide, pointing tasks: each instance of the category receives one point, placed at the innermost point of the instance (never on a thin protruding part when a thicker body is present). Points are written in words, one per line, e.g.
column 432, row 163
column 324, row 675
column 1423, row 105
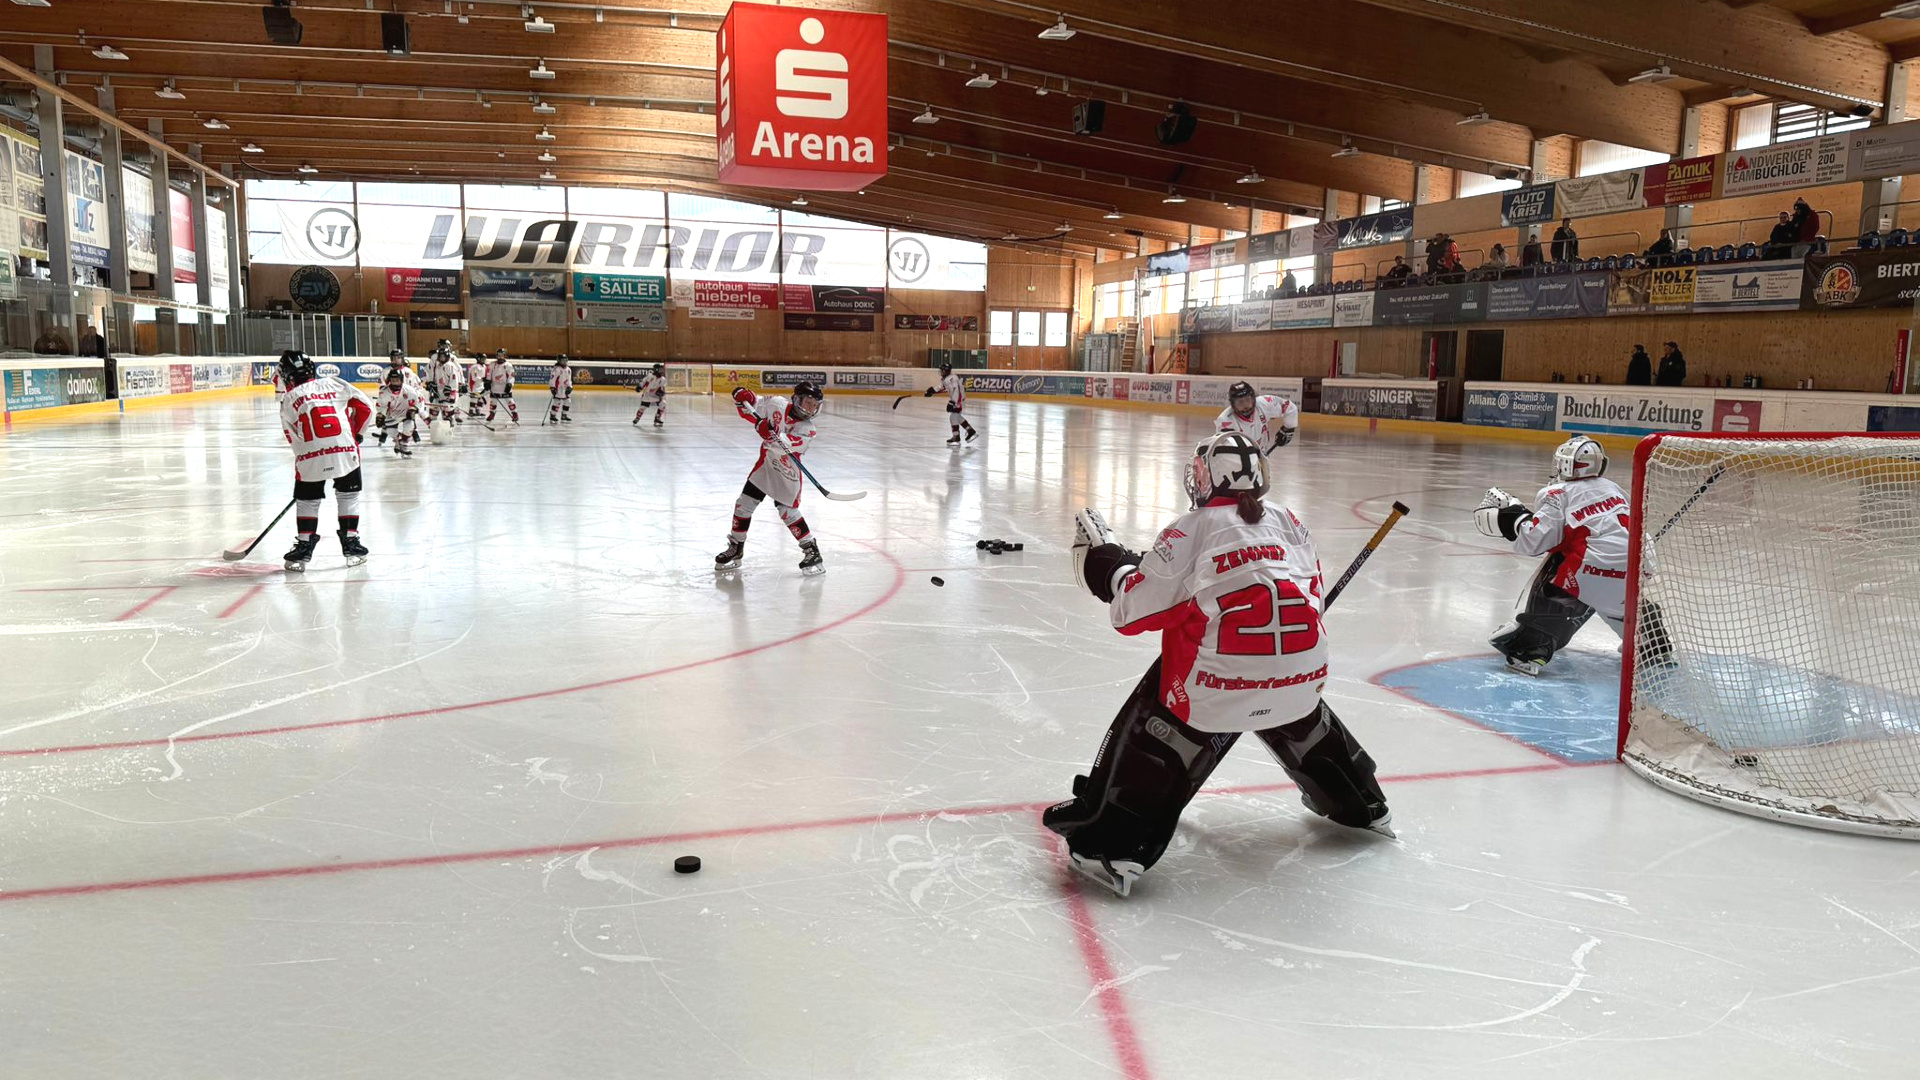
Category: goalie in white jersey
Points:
column 1267, row 420
column 323, row 419
column 951, row 386
column 1233, row 586
column 653, row 395
column 1580, row 522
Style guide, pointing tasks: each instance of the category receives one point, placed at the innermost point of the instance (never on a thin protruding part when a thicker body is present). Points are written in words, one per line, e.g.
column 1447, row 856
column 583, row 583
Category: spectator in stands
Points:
column 1289, row 284
column 91, row 343
column 1806, row 222
column 53, row 341
column 1566, row 242
column 1785, row 234
column 1399, row 272
column 1496, row 259
column 1436, row 250
column 1660, row 252
column 1530, row 254
column 1640, row 367
column 1673, row 367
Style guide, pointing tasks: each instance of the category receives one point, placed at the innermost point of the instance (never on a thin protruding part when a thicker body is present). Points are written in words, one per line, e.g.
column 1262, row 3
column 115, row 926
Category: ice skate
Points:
column 400, row 448
column 657, row 422
column 1529, row 668
column 566, row 418
column 350, row 546
column 972, row 434
column 955, row 441
column 730, row 558
column 1115, row 874
column 811, row 563
column 297, row 558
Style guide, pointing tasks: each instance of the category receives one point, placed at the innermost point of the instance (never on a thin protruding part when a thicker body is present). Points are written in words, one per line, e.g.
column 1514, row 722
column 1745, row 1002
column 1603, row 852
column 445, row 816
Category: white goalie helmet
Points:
column 1228, row 462
column 1579, row 458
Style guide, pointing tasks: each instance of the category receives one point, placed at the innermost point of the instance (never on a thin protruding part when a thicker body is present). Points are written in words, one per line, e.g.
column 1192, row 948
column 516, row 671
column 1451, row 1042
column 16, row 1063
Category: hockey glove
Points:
column 742, row 396
column 1499, row 515
column 1098, row 562
column 1286, row 436
column 930, row 391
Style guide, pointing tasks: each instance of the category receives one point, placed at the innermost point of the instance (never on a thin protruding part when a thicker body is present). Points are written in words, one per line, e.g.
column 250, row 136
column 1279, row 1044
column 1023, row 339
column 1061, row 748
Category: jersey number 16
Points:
column 319, row 422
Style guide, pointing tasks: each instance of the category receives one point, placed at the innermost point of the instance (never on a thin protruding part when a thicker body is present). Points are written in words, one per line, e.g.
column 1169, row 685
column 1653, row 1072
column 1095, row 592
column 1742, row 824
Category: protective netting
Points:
column 689, row 378
column 1776, row 664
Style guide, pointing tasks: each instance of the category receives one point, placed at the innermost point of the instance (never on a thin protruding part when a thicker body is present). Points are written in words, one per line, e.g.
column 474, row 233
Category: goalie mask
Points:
column 1579, row 458
column 1241, row 396
column 1226, row 464
column 806, row 400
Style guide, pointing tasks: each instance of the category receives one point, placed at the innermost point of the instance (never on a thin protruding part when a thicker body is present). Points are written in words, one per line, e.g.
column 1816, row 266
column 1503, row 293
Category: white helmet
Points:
column 1579, row 458
column 1228, row 462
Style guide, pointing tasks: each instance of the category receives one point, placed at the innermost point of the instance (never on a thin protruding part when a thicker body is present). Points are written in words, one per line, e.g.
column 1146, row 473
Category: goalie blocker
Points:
column 1234, row 586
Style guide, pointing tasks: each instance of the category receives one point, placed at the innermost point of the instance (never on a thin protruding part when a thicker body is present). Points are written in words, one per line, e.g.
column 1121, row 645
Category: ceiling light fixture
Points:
column 250, row 148
column 1112, row 215
column 1253, row 177
column 1059, row 31
column 544, row 109
column 799, row 200
column 306, row 169
column 1011, row 235
column 926, row 117
column 168, row 92
column 547, row 174
column 538, row 25
column 1481, row 117
column 1173, row 197
column 546, row 157
column 1660, row 74
column 1346, row 150
column 1908, row 10
column 544, row 135
column 982, row 81
column 541, row 72
column 214, row 123
column 33, row 3
column 108, row 52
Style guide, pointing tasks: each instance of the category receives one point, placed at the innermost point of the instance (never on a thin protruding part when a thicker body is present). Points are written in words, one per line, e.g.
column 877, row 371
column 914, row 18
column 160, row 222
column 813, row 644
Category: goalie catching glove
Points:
column 1099, row 563
column 1499, row 515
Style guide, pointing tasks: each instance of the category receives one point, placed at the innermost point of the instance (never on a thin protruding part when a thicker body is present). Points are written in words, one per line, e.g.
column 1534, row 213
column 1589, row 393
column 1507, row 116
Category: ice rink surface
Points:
column 418, row 818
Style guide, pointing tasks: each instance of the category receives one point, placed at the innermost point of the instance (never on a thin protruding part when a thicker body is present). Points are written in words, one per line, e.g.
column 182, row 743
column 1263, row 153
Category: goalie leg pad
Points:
column 1548, row 619
column 1334, row 772
column 1148, row 769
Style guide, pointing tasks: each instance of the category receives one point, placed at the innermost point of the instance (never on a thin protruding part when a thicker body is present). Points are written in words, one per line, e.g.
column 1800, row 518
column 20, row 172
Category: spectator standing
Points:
column 1566, row 242
column 1640, row 367
column 1660, row 252
column 1673, row 367
column 1399, row 271
column 1530, row 254
column 91, row 343
column 1436, row 248
column 1806, row 221
column 1785, row 234
column 1289, row 284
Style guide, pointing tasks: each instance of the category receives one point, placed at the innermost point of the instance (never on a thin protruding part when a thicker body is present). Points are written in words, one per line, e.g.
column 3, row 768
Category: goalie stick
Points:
column 232, row 555
column 822, row 489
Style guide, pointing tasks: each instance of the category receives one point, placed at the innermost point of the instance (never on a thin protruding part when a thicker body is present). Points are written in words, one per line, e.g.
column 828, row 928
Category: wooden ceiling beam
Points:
column 1765, row 49
column 1845, row 18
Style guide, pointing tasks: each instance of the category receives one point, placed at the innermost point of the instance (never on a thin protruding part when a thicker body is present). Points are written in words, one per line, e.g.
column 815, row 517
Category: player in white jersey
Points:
column 1233, row 586
column 1580, row 523
column 653, row 395
column 956, row 404
column 323, row 419
column 560, row 386
column 397, row 361
column 396, row 411
column 476, row 386
column 786, row 431
column 1268, row 420
column 500, row 386
column 443, row 384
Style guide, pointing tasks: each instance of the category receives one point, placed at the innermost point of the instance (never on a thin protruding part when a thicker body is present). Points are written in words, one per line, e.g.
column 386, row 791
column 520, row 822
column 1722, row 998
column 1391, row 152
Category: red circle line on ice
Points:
column 892, row 590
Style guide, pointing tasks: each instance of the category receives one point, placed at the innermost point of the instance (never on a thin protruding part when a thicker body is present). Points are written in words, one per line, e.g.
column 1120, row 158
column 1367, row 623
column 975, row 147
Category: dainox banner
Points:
column 801, row 98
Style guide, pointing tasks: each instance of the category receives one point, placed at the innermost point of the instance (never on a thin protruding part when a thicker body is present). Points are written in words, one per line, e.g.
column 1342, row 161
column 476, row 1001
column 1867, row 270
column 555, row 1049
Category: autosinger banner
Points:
column 1861, row 279
column 801, row 98
column 1419, row 401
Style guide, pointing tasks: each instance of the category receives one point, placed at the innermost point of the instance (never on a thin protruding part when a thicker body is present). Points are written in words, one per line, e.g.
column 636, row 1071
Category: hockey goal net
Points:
column 689, row 378
column 1772, row 660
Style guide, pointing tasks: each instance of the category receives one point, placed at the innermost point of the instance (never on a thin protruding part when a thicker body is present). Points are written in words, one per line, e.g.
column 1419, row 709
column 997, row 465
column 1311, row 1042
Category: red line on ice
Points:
column 1093, row 953
column 893, row 589
column 143, row 605
column 242, row 602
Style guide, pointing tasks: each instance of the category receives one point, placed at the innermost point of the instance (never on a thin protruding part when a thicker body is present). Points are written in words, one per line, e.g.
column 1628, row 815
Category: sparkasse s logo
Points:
column 801, row 98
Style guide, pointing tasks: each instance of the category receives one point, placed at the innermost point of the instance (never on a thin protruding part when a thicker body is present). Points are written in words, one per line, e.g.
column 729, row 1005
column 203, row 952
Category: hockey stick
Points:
column 816, row 483
column 901, row 398
column 1712, row 478
column 1399, row 511
column 235, row 556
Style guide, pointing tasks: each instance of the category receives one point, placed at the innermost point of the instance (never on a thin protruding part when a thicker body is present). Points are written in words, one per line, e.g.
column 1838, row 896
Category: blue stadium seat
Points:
column 1749, row 250
column 1683, row 257
column 1728, row 252
column 1706, row 255
column 1611, row 262
column 1629, row 261
column 1869, row 241
column 1897, row 238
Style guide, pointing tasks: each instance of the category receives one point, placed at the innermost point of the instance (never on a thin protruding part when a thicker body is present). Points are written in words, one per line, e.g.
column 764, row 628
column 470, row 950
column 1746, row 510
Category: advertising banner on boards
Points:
column 1769, row 286
column 1531, row 410
column 1888, row 277
column 1604, row 193
column 1684, row 181
column 1560, row 296
column 1380, row 402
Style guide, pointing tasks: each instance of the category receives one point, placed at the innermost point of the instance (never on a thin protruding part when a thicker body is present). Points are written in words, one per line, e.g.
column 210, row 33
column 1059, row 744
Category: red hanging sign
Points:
column 802, row 98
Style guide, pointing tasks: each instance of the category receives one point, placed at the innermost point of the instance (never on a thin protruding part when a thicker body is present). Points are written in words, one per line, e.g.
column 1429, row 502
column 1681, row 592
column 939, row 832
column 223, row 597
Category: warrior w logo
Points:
column 333, row 233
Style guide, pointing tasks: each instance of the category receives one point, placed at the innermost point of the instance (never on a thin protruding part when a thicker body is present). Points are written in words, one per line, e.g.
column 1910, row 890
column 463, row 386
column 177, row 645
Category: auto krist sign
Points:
column 801, row 98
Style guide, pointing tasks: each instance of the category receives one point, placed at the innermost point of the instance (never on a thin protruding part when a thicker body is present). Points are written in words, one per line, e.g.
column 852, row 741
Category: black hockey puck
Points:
column 938, row 581
column 978, row 544
column 1015, row 547
column 687, row 864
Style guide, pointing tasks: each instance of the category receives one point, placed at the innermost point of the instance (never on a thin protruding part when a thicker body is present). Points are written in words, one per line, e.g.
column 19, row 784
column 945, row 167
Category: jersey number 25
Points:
column 1249, row 627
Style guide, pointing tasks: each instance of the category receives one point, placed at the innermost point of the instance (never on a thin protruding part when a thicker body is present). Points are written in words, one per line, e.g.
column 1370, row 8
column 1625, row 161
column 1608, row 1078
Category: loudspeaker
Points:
column 393, row 34
column 1862, row 110
column 1177, row 126
column 1089, row 117
column 282, row 27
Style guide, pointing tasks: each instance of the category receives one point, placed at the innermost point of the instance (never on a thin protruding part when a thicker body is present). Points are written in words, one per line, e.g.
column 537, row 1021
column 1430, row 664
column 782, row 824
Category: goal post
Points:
column 1771, row 662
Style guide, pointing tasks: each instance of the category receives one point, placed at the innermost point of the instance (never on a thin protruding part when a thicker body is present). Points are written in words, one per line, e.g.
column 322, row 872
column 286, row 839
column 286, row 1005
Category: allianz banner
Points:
column 1861, row 279
column 1530, row 410
column 1561, row 296
column 1527, row 205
